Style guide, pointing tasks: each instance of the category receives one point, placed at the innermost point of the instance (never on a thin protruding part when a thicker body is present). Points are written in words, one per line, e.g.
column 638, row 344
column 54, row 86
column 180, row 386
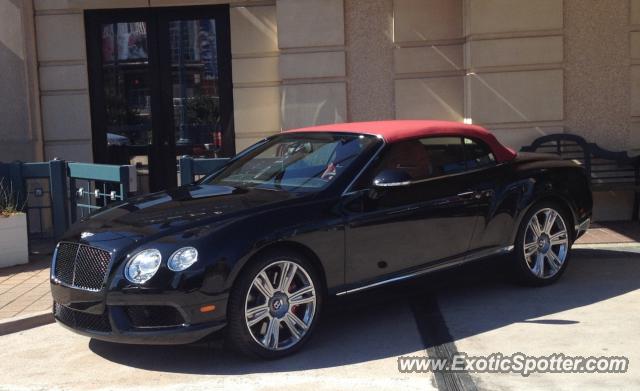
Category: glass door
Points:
column 199, row 85
column 160, row 83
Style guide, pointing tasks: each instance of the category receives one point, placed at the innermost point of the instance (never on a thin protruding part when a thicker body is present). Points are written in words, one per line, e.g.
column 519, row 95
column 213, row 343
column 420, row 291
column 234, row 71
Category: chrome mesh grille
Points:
column 81, row 266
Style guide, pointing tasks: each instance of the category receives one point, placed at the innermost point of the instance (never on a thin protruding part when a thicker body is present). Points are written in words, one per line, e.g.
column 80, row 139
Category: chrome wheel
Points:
column 280, row 305
column 546, row 243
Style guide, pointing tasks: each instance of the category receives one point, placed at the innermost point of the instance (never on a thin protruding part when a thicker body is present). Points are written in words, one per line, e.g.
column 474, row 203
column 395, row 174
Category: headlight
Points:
column 142, row 266
column 182, row 259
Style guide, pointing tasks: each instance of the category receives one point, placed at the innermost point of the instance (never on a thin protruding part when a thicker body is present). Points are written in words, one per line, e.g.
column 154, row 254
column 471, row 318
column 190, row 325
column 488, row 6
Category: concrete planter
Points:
column 14, row 244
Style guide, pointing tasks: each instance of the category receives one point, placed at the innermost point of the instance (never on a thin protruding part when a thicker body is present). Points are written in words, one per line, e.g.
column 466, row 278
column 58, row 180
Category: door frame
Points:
column 162, row 151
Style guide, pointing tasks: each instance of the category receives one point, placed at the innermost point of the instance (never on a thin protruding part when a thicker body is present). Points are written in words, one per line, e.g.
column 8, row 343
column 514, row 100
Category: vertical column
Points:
column 634, row 37
column 58, row 188
column 597, row 71
column 14, row 114
column 601, row 85
column 64, row 92
column 369, row 46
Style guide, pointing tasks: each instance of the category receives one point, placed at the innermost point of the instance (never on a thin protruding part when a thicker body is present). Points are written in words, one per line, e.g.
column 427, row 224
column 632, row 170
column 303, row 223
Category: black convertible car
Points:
column 257, row 246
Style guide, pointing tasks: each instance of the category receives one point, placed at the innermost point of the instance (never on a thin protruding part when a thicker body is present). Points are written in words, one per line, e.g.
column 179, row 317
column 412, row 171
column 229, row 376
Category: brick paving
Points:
column 612, row 232
column 24, row 289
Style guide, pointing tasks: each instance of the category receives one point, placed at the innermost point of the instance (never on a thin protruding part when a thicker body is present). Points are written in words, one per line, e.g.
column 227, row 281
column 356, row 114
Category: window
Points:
column 161, row 87
column 477, row 154
column 445, row 155
column 296, row 162
column 431, row 157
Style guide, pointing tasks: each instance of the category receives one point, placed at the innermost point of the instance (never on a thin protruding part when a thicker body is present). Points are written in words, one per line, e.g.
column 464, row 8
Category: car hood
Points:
column 169, row 212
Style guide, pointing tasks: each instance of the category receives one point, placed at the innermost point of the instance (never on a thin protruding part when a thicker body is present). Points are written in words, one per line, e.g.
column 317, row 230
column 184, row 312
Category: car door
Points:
column 432, row 219
column 494, row 204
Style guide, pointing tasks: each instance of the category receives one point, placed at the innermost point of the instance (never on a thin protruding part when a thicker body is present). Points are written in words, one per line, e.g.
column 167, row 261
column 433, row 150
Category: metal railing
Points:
column 57, row 193
column 104, row 184
column 51, row 197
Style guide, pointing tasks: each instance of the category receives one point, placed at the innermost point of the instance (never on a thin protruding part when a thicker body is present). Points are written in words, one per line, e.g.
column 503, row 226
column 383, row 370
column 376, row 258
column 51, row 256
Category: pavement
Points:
column 475, row 309
column 24, row 289
column 355, row 348
column 589, row 312
column 614, row 232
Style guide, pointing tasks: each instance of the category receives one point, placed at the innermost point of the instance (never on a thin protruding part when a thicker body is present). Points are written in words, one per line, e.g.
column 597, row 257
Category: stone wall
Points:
column 256, row 77
column 16, row 134
column 519, row 67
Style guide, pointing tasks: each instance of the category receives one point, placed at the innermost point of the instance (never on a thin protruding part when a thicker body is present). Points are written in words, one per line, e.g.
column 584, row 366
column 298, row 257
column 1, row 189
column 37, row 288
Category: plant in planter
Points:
column 14, row 243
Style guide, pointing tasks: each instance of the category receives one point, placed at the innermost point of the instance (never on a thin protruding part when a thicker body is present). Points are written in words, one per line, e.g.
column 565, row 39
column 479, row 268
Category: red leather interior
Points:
column 410, row 156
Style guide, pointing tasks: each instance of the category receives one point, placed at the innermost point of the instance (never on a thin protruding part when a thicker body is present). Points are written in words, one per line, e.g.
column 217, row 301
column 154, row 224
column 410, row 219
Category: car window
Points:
column 429, row 158
column 477, row 154
column 445, row 155
column 421, row 159
column 294, row 162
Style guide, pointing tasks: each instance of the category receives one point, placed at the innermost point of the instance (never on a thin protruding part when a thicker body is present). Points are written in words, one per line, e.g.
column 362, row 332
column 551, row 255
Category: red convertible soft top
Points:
column 397, row 130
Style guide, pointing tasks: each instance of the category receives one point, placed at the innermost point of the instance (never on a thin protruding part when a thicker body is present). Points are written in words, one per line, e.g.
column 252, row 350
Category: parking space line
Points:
column 438, row 342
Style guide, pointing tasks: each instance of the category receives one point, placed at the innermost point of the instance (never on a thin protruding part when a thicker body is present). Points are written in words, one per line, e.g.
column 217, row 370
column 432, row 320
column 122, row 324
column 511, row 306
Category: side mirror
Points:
column 392, row 178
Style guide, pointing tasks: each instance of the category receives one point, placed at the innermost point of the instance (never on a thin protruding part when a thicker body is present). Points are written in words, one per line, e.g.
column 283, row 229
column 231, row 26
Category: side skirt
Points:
column 431, row 268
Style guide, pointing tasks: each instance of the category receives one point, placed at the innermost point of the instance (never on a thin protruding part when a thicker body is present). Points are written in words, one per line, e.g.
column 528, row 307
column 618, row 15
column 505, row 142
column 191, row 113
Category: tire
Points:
column 289, row 325
column 546, row 255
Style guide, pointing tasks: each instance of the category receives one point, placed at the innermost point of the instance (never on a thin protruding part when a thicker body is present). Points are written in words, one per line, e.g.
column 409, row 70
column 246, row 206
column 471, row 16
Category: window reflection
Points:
column 196, row 100
column 127, row 95
column 126, row 84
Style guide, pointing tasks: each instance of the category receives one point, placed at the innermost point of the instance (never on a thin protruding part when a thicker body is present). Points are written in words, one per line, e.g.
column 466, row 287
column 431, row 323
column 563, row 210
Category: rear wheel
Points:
column 543, row 245
column 275, row 306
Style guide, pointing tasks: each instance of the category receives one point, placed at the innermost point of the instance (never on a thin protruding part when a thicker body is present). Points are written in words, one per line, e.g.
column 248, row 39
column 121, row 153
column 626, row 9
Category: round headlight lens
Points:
column 142, row 266
column 182, row 259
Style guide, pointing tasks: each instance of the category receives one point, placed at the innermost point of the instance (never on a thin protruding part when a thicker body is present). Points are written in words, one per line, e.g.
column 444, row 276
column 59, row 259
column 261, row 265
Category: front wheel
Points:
column 543, row 245
column 275, row 306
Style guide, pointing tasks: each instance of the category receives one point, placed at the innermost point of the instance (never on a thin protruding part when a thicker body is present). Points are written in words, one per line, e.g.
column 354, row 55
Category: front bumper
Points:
column 172, row 317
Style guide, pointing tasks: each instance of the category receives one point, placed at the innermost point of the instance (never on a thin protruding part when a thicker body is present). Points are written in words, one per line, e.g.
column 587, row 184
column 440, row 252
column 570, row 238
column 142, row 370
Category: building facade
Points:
column 144, row 81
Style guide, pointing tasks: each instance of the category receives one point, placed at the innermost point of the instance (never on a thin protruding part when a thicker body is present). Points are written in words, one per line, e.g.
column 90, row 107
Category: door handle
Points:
column 488, row 193
column 476, row 194
column 470, row 194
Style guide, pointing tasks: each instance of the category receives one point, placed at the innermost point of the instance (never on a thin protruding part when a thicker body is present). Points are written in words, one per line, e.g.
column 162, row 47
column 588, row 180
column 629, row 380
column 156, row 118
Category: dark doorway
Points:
column 160, row 84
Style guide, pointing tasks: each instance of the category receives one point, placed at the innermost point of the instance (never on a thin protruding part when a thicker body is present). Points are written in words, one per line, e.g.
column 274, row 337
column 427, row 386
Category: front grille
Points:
column 81, row 266
column 142, row 316
column 81, row 320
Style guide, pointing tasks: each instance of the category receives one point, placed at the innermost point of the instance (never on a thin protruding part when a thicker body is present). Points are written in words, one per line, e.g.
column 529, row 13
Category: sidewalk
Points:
column 24, row 289
column 612, row 232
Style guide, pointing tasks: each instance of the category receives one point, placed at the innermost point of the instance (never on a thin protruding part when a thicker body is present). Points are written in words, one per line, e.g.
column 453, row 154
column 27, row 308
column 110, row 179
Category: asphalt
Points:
column 475, row 309
column 591, row 311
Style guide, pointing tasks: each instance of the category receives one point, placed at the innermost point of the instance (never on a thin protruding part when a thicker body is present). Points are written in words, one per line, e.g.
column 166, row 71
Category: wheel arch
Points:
column 554, row 197
column 287, row 245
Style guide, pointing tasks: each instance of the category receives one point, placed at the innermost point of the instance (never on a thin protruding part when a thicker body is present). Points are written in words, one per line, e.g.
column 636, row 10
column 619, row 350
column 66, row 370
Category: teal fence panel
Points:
column 57, row 193
column 51, row 196
column 191, row 168
column 94, row 186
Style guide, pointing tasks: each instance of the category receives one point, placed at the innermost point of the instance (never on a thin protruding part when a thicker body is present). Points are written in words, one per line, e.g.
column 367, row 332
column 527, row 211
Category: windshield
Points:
column 295, row 162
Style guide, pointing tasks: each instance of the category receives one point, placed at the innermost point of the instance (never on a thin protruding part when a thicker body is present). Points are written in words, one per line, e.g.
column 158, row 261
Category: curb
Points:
column 606, row 246
column 26, row 322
